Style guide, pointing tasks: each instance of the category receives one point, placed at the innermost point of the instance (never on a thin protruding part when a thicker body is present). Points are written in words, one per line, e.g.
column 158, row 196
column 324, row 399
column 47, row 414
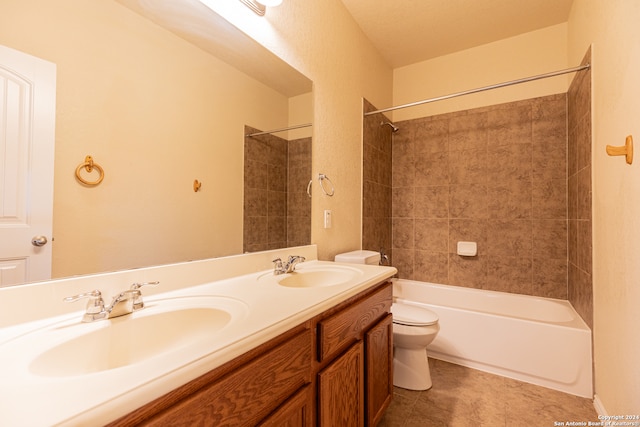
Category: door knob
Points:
column 39, row 241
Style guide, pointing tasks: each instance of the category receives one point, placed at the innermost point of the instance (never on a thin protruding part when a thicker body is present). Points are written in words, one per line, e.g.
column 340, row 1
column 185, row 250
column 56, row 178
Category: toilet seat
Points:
column 411, row 315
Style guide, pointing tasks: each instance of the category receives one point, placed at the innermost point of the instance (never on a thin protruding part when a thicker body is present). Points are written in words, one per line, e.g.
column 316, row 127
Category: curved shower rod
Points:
column 482, row 89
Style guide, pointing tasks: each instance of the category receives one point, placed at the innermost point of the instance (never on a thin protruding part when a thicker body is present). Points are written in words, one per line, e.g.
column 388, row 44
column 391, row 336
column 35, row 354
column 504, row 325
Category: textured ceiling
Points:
column 410, row 31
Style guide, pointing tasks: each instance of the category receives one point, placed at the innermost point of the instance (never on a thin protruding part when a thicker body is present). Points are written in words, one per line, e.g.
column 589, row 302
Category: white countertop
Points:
column 263, row 310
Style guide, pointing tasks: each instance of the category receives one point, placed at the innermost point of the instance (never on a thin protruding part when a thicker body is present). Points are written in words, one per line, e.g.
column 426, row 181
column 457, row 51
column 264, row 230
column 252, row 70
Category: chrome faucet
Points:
column 289, row 267
column 122, row 304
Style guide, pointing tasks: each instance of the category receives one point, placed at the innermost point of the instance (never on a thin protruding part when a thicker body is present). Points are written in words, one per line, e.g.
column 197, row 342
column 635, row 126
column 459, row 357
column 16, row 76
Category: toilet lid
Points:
column 412, row 315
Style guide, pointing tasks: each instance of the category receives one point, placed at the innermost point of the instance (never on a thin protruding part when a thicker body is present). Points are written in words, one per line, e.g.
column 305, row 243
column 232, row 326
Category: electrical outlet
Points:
column 327, row 218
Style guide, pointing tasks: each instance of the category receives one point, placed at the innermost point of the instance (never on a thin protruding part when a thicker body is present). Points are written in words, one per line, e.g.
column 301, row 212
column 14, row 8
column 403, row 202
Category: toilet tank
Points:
column 359, row 257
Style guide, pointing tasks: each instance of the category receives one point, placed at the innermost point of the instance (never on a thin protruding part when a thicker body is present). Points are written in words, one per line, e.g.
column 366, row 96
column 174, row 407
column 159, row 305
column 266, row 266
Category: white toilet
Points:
column 414, row 328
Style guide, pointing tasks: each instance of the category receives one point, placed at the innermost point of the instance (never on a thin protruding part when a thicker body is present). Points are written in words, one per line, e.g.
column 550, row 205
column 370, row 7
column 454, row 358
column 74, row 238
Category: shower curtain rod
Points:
column 482, row 89
column 306, row 125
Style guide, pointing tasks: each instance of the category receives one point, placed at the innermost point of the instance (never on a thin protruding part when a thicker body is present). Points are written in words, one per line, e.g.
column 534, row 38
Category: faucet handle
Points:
column 95, row 305
column 137, row 286
column 277, row 266
column 137, row 300
column 95, row 300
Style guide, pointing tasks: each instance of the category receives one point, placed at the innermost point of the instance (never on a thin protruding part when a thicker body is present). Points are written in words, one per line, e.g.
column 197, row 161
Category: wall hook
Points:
column 196, row 185
column 624, row 150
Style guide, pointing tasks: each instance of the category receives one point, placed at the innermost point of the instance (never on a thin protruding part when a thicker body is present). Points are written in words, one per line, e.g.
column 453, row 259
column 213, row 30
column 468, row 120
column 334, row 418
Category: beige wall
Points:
column 612, row 28
column 526, row 55
column 319, row 38
column 300, row 112
column 156, row 113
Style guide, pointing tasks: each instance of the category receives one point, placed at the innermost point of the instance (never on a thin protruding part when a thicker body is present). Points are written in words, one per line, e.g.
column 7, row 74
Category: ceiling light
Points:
column 260, row 6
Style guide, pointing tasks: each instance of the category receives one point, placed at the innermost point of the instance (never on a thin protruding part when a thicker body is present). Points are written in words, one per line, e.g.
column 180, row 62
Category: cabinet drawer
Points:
column 348, row 325
column 249, row 393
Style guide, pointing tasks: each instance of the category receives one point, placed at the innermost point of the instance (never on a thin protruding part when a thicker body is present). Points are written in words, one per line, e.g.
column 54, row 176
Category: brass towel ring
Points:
column 89, row 165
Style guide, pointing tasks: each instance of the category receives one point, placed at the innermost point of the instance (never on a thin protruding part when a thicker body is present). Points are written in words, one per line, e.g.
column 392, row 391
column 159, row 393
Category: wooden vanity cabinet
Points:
column 333, row 370
column 355, row 351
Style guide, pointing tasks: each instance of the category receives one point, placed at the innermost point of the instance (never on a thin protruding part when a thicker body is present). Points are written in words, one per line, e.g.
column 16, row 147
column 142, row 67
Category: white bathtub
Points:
column 537, row 340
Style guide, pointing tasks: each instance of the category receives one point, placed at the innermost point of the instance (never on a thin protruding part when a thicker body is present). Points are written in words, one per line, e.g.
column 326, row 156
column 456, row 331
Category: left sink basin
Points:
column 164, row 326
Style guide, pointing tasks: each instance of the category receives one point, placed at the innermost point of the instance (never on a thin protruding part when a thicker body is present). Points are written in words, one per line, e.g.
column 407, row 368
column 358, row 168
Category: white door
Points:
column 27, row 137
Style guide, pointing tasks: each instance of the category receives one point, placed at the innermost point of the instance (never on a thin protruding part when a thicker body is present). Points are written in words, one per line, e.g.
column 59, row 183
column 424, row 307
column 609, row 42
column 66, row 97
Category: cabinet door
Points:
column 379, row 365
column 341, row 390
column 295, row 412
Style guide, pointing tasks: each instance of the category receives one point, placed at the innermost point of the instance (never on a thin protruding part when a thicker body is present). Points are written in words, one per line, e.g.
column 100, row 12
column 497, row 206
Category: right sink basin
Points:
column 316, row 276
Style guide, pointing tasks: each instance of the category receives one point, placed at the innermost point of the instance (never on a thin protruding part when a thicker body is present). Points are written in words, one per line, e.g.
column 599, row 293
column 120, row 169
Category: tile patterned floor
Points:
column 467, row 397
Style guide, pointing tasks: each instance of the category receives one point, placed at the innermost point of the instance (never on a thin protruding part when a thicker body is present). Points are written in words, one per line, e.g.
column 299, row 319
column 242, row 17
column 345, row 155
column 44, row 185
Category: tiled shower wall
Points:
column 580, row 283
column 277, row 209
column 515, row 178
column 376, row 194
column 495, row 176
column 298, row 201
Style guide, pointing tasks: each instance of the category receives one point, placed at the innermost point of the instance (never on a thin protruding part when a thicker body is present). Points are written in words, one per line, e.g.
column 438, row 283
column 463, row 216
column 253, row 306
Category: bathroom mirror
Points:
column 159, row 94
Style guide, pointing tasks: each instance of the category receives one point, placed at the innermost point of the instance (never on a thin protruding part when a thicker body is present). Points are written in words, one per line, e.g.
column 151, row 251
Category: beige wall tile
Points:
column 403, row 232
column 468, row 201
column 467, row 167
column 509, row 125
column 468, row 131
column 509, row 238
column 550, row 277
column 550, row 238
column 431, row 267
column 402, row 202
column 469, row 272
column 509, row 274
column 510, row 200
column 549, row 199
column 432, row 235
column 432, row 201
column 509, row 163
column 431, row 168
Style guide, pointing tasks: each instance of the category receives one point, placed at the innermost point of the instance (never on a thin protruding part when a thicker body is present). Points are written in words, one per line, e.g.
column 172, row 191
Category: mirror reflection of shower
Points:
column 393, row 127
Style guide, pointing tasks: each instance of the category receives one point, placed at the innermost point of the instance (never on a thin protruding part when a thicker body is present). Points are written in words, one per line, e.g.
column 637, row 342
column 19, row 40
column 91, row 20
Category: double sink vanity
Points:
column 218, row 342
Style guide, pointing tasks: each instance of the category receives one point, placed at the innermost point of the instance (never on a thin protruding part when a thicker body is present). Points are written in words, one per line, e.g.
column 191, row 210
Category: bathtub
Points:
column 537, row 340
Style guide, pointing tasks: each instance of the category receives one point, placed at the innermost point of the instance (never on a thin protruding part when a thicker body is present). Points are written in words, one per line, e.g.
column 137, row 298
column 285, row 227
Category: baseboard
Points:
column 597, row 403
